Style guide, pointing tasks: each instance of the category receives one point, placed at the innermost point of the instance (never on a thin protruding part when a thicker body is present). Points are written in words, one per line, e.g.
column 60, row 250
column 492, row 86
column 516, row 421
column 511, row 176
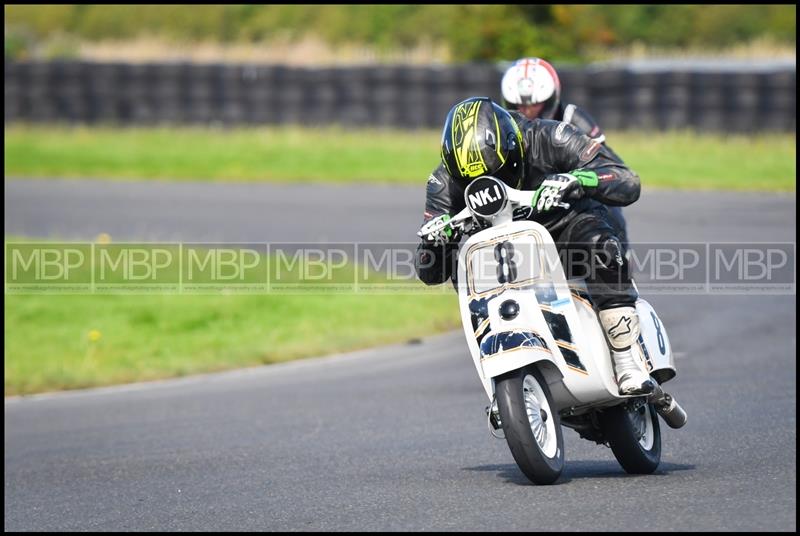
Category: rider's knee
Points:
column 608, row 253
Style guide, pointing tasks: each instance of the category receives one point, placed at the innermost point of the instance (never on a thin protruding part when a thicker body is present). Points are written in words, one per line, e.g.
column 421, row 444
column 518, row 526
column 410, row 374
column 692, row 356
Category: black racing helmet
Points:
column 481, row 138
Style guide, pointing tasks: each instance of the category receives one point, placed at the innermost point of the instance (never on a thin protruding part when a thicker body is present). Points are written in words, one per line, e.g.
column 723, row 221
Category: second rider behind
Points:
column 531, row 86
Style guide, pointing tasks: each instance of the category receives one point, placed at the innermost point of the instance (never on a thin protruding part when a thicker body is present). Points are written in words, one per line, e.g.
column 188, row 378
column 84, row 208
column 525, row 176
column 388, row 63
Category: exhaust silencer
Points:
column 668, row 408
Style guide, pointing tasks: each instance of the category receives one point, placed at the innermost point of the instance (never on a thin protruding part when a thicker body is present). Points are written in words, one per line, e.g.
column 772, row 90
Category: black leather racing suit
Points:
column 552, row 147
column 579, row 117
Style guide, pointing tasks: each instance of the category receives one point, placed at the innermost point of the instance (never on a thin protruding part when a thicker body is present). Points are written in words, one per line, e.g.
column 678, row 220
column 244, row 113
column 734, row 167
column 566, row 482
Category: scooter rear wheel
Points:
column 531, row 426
column 634, row 434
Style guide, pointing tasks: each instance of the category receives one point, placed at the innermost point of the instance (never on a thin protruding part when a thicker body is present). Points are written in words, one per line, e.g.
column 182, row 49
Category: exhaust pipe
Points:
column 668, row 408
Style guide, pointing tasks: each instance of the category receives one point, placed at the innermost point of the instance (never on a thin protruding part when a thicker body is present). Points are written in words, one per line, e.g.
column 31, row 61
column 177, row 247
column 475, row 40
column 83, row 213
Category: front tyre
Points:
column 633, row 432
column 532, row 428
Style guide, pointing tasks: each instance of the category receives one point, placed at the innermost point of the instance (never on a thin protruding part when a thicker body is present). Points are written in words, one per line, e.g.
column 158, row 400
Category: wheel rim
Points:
column 642, row 420
column 540, row 416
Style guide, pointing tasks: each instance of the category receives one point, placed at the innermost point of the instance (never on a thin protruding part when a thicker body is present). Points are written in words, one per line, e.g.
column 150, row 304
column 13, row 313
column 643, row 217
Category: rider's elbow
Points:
column 636, row 187
column 631, row 190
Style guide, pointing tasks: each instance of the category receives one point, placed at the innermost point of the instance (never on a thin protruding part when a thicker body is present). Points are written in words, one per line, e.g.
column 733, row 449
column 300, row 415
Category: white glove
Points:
column 437, row 231
column 555, row 190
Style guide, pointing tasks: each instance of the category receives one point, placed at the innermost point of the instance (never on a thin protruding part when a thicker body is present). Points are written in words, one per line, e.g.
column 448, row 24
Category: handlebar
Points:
column 466, row 219
column 457, row 222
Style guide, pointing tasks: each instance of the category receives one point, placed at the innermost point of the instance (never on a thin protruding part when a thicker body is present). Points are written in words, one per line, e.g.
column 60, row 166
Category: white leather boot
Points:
column 621, row 326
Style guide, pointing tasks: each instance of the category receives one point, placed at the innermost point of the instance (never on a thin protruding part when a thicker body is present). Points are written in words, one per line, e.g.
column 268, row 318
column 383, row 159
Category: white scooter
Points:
column 538, row 346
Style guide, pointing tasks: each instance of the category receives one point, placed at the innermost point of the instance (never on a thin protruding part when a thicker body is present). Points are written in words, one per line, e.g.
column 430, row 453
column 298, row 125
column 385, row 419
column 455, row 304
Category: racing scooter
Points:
column 538, row 346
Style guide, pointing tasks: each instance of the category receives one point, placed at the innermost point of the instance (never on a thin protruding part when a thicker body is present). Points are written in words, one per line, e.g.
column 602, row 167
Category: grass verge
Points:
column 69, row 341
column 677, row 159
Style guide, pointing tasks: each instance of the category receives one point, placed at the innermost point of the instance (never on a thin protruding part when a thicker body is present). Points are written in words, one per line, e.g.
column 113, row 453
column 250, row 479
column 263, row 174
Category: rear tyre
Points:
column 633, row 432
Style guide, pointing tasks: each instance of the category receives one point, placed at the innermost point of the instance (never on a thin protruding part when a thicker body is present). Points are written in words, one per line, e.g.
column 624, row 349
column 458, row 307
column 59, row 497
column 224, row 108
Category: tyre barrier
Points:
column 408, row 97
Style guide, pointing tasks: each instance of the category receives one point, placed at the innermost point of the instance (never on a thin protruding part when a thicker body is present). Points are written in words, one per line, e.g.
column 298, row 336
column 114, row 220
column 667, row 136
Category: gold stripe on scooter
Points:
column 539, row 348
column 583, row 300
column 481, row 328
column 568, row 346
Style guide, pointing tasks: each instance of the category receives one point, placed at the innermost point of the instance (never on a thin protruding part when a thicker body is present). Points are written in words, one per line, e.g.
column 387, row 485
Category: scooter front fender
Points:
column 504, row 351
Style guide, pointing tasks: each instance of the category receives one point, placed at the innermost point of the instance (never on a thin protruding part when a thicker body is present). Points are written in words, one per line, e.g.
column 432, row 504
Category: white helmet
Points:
column 532, row 81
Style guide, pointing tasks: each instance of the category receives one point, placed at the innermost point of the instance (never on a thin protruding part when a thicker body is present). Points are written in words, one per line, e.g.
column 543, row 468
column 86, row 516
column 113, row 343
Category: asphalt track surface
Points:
column 395, row 438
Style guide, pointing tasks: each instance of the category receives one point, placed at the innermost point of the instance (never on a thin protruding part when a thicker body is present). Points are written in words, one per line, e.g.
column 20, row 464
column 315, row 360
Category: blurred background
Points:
column 711, row 68
column 222, row 128
column 266, row 113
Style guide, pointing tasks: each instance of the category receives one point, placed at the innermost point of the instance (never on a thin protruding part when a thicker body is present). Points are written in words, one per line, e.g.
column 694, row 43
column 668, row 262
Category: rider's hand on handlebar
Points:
column 437, row 231
column 555, row 191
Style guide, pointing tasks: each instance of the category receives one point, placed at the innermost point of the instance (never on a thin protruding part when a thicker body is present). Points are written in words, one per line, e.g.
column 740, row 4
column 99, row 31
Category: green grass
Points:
column 687, row 160
column 48, row 344
column 65, row 341
column 291, row 154
column 55, row 342
column 252, row 155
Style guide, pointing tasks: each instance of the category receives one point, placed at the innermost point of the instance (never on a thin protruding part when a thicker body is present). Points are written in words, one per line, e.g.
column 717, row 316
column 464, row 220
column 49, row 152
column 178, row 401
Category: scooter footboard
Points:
column 509, row 350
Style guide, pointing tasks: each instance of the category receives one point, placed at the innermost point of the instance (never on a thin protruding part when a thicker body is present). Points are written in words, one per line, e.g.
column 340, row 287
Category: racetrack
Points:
column 396, row 438
column 81, row 209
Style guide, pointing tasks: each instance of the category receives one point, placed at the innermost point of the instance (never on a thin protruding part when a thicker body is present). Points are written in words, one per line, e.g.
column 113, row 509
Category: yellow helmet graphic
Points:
column 481, row 138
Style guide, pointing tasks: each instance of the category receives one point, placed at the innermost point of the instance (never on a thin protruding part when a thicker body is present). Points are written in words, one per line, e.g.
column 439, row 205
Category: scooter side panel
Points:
column 654, row 343
column 546, row 307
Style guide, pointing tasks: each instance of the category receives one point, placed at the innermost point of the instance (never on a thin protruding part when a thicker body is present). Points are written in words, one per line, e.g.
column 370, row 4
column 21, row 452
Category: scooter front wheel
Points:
column 531, row 426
